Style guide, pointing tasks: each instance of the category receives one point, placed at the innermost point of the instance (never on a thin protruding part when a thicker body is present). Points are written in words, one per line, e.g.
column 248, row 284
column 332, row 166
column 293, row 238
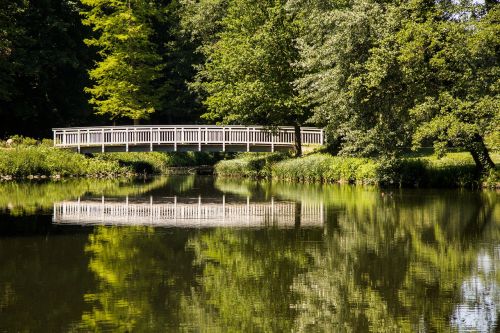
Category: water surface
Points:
column 205, row 255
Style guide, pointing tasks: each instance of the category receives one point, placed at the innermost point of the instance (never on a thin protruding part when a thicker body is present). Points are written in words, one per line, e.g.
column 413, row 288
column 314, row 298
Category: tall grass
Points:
column 25, row 157
column 46, row 161
column 251, row 165
column 456, row 170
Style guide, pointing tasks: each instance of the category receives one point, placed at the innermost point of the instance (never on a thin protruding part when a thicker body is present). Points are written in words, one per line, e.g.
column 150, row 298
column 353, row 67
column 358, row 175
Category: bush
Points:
column 46, row 161
column 27, row 156
column 326, row 168
column 19, row 140
column 158, row 163
column 455, row 170
column 252, row 165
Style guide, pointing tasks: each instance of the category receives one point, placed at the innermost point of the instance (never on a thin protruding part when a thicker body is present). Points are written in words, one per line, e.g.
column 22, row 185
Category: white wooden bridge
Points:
column 190, row 213
column 182, row 138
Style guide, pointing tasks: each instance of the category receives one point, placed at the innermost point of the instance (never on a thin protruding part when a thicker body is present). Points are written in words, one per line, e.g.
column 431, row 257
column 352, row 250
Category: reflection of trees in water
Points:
column 142, row 274
column 246, row 279
column 393, row 265
column 392, row 262
column 30, row 198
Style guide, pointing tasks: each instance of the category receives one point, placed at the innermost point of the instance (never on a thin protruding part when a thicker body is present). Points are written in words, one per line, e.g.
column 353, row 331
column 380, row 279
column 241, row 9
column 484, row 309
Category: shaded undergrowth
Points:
column 454, row 170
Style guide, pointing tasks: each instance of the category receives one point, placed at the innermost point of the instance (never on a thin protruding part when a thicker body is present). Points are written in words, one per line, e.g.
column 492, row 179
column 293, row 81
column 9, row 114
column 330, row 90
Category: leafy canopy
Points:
column 124, row 77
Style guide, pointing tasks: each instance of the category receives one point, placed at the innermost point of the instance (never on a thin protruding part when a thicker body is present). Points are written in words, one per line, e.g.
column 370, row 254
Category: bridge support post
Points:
column 199, row 138
column 78, row 133
column 223, row 139
column 151, row 139
column 126, row 139
column 248, row 139
column 102, row 139
column 175, row 139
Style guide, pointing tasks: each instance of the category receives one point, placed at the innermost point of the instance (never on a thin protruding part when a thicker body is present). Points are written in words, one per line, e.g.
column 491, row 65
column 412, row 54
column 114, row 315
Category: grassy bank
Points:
column 29, row 158
column 454, row 170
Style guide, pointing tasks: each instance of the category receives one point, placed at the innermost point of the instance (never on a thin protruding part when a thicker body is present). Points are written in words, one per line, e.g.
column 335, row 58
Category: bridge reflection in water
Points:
column 184, row 212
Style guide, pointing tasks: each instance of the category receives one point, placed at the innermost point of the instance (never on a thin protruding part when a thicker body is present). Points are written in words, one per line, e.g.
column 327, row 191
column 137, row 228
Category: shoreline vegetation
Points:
column 26, row 158
column 455, row 170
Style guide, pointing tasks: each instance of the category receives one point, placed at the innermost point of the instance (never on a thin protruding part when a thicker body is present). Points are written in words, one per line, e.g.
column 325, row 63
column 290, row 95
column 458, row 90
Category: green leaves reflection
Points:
column 142, row 275
column 246, row 279
column 384, row 262
column 25, row 198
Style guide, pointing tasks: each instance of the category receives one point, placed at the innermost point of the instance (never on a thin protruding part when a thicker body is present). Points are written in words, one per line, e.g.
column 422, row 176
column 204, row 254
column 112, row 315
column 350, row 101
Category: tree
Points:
column 43, row 62
column 9, row 31
column 178, row 104
column 130, row 63
column 382, row 74
column 248, row 73
column 459, row 57
column 351, row 78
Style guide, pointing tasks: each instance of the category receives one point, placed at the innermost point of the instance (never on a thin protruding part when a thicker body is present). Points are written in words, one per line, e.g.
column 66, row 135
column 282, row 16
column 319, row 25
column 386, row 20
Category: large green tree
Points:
column 43, row 63
column 248, row 74
column 382, row 74
column 455, row 53
column 178, row 104
column 9, row 31
column 125, row 75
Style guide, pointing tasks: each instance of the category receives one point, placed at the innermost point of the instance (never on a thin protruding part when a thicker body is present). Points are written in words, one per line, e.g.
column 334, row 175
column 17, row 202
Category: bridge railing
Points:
column 182, row 135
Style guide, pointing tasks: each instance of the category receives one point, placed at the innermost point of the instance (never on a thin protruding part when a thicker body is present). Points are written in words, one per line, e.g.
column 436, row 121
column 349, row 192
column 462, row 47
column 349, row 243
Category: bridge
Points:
column 189, row 213
column 183, row 138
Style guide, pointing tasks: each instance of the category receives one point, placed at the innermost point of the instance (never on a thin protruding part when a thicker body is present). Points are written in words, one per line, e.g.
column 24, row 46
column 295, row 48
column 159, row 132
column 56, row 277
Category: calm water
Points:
column 205, row 255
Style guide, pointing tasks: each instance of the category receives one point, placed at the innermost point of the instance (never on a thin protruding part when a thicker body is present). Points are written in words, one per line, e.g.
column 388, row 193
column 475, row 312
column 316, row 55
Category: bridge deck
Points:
column 182, row 138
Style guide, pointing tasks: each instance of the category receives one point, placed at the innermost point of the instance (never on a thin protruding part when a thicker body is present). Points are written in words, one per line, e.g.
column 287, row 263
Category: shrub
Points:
column 19, row 140
column 252, row 165
column 41, row 160
column 157, row 162
column 456, row 170
column 326, row 168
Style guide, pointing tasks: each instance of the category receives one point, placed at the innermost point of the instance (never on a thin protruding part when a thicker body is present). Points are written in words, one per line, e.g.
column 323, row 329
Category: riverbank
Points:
column 453, row 170
column 27, row 158
column 39, row 160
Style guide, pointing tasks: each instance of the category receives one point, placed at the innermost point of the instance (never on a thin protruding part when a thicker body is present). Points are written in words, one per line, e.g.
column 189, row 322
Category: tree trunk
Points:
column 481, row 155
column 137, row 122
column 298, row 141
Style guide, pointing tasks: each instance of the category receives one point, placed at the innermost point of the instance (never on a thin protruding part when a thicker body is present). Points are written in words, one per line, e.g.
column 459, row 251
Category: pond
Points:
column 194, row 253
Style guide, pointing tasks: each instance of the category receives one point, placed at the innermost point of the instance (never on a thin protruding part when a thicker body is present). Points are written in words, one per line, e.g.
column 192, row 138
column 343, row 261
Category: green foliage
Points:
column 383, row 74
column 43, row 61
column 252, row 165
column 351, row 78
column 19, row 140
column 249, row 50
column 130, row 62
column 326, row 168
column 24, row 198
column 454, row 170
column 461, row 108
column 159, row 163
column 25, row 156
column 24, row 161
